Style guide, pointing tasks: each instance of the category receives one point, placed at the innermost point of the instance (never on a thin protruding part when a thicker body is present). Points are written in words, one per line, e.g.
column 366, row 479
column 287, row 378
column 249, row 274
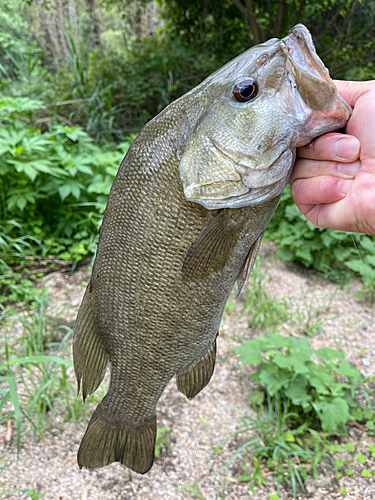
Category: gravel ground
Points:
column 49, row 466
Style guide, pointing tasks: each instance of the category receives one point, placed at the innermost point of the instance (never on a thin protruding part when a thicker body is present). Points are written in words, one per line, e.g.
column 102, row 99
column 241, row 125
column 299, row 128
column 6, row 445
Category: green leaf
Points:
column 319, row 379
column 367, row 244
column 350, row 447
column 333, row 415
column 284, row 254
column 303, row 346
column 333, row 448
column 366, row 473
column 338, row 463
column 267, row 379
column 30, row 171
column 347, row 370
column 256, row 397
column 289, row 437
column 349, row 471
column 305, row 255
column 361, row 458
column 357, row 414
column 249, row 358
column 64, row 191
column 355, row 265
column 21, row 202
column 297, row 391
column 330, row 354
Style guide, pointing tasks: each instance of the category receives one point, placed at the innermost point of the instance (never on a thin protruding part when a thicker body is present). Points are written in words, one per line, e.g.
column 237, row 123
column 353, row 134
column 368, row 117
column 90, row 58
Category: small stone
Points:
column 366, row 362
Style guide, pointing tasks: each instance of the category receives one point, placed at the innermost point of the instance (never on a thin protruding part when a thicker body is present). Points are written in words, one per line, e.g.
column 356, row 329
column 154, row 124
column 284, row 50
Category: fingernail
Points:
column 349, row 168
column 348, row 147
column 344, row 186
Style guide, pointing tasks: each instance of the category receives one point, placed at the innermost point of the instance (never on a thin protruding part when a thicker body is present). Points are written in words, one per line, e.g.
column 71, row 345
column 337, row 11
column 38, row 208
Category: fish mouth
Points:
column 314, row 84
column 328, row 111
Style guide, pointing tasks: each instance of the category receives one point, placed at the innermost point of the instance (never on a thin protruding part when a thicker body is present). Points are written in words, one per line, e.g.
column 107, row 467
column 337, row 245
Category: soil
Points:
column 196, row 427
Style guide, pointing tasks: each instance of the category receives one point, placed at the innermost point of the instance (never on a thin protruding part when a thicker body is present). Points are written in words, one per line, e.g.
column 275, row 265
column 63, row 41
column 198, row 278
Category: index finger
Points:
column 351, row 91
column 331, row 147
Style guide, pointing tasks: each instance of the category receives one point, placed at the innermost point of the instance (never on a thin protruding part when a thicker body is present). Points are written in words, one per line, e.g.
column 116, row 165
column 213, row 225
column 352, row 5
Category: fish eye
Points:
column 245, row 91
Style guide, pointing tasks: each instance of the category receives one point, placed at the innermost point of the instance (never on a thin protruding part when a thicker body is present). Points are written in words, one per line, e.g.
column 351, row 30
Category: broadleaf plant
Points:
column 318, row 385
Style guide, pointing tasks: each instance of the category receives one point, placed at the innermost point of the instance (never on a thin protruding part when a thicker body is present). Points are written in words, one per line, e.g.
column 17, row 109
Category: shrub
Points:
column 333, row 253
column 53, row 188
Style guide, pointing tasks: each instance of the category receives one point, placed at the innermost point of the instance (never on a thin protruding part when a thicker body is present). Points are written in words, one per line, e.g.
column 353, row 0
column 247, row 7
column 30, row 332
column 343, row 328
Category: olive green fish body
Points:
column 153, row 323
column 183, row 223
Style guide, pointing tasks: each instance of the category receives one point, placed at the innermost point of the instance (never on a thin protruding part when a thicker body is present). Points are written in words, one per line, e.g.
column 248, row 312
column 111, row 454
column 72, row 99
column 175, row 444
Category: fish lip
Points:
column 298, row 32
column 307, row 69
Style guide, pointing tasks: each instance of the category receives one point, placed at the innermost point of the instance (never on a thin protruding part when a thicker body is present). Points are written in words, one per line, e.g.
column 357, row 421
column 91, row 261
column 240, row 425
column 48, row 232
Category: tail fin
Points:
column 103, row 444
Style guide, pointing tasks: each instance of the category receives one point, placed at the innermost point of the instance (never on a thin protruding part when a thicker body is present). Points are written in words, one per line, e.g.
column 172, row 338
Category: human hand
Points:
column 333, row 181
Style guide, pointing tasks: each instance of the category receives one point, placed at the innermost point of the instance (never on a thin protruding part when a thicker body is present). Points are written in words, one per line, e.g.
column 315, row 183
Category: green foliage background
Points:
column 77, row 81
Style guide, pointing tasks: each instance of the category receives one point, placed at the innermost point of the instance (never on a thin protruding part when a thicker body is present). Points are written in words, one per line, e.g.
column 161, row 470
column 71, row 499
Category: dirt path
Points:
column 49, row 466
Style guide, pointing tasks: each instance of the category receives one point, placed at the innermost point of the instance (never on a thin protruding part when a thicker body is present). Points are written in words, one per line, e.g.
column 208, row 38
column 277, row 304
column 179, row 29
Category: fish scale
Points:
column 184, row 221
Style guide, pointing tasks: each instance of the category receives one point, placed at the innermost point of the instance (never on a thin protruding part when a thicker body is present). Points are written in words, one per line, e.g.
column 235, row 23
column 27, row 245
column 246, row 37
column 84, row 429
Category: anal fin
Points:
column 89, row 355
column 248, row 265
column 197, row 377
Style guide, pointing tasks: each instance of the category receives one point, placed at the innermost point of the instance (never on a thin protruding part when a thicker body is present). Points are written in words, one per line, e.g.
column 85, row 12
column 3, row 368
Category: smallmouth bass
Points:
column 183, row 223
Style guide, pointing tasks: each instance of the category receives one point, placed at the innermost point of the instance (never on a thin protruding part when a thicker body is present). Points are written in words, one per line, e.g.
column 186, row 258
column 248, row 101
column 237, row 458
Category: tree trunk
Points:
column 251, row 22
column 279, row 19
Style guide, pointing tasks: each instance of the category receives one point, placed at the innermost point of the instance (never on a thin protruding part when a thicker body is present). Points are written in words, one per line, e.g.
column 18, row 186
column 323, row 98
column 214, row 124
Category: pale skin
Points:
column 333, row 182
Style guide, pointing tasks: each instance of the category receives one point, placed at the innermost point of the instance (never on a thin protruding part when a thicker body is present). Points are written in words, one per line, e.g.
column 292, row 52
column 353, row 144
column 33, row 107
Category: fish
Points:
column 185, row 217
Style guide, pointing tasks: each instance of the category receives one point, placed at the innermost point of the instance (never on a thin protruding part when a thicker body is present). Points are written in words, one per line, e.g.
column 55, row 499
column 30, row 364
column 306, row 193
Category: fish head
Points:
column 254, row 113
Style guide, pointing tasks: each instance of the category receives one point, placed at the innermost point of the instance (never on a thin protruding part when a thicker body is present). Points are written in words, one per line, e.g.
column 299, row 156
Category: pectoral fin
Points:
column 248, row 265
column 212, row 248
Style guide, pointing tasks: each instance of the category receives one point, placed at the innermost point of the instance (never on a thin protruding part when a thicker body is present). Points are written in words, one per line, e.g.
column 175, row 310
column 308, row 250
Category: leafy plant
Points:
column 333, row 253
column 318, row 385
column 345, row 465
column 53, row 191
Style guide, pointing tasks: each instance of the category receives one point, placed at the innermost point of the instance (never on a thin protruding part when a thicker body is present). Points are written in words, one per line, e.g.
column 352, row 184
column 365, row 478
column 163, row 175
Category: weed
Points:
column 163, row 440
column 334, row 254
column 318, row 385
column 344, row 466
column 195, row 491
column 307, row 316
column 261, row 310
column 305, row 396
column 35, row 377
column 282, row 446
